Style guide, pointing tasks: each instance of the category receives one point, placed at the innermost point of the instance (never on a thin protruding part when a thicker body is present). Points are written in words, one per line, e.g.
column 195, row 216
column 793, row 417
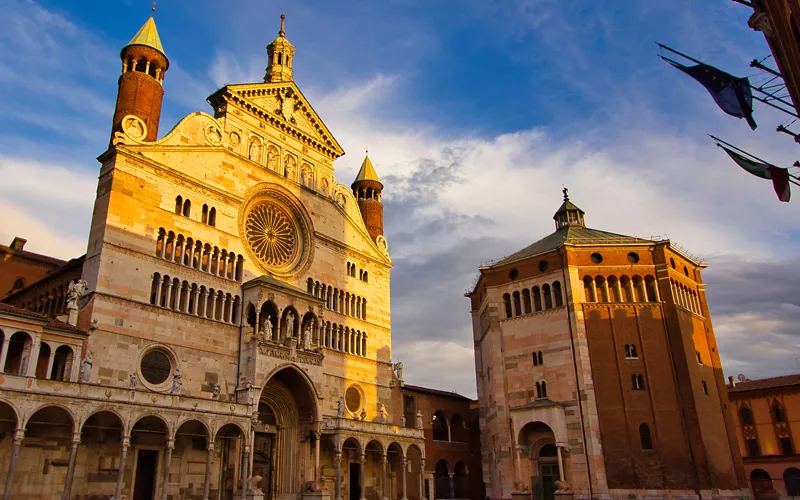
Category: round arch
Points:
column 413, row 446
column 144, row 416
column 45, row 406
column 14, row 412
column 110, row 411
column 227, row 426
column 296, row 369
column 192, row 421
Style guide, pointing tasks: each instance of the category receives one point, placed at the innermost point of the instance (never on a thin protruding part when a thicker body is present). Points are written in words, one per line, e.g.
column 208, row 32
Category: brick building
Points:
column 19, row 267
column 767, row 416
column 596, row 363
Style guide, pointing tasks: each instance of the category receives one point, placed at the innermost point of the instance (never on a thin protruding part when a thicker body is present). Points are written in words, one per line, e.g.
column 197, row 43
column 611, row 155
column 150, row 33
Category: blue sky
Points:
column 475, row 112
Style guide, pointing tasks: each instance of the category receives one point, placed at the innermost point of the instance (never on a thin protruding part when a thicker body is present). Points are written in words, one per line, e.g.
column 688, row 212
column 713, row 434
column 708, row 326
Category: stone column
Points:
column 385, row 476
column 168, row 295
column 158, row 289
column 33, row 358
column 126, row 442
column 213, row 306
column 203, row 299
column 245, row 471
column 257, row 326
column 195, row 298
column 361, row 476
column 50, row 363
column 178, row 296
column 518, row 472
column 404, row 464
column 75, row 369
column 452, row 484
column 338, row 482
column 167, row 459
column 4, row 354
column 12, row 466
column 422, row 479
column 593, row 288
column 172, row 249
column 560, row 464
column 207, row 480
column 317, row 438
column 73, row 453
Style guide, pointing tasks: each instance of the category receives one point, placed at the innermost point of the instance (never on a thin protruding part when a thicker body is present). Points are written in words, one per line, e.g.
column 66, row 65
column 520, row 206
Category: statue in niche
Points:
column 363, row 414
column 289, row 325
column 402, row 420
column 86, row 368
column 272, row 160
column 215, row 391
column 324, row 186
column 133, row 380
column 268, row 327
column 304, row 176
column 307, row 338
column 176, row 382
column 419, row 419
column 248, row 395
column 398, row 370
column 290, row 163
column 340, row 408
column 253, row 153
column 384, row 414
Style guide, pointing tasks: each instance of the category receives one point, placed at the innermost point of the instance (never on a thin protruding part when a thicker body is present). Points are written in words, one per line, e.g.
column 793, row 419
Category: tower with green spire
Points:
column 141, row 90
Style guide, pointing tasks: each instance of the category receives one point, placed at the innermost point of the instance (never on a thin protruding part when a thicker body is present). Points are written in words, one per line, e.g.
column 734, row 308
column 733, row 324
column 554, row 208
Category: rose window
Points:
column 271, row 234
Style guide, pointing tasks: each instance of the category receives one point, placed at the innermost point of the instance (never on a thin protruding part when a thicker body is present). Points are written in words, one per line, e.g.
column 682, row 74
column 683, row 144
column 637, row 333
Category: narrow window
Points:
column 746, row 415
column 645, row 437
column 638, row 382
column 538, row 390
column 786, row 446
column 187, row 208
column 753, row 449
column 204, row 218
column 517, row 306
column 699, row 358
column 705, row 388
column 544, row 389
column 535, row 359
column 507, row 303
column 778, row 413
column 212, row 217
column 178, row 204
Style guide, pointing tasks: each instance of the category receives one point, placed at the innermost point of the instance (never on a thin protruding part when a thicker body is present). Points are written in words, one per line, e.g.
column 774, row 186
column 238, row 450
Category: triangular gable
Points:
column 283, row 105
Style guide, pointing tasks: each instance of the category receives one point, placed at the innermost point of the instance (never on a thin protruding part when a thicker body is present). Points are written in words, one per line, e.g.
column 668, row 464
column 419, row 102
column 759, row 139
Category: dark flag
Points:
column 731, row 94
column 778, row 176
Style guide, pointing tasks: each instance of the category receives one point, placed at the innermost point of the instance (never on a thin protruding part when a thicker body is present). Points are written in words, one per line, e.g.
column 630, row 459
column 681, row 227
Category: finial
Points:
column 153, row 8
column 366, row 149
column 566, row 193
column 283, row 20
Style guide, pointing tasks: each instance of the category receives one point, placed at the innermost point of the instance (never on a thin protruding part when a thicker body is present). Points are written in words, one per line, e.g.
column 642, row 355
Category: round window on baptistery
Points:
column 353, row 399
column 156, row 367
column 633, row 257
column 597, row 258
column 513, row 274
column 543, row 265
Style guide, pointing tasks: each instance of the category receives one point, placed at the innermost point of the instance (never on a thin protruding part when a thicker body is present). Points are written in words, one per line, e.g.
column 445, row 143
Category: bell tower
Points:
column 141, row 90
column 281, row 56
column 367, row 189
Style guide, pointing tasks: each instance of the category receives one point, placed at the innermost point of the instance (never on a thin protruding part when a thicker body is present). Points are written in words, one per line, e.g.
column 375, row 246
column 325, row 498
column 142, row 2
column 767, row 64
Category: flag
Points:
column 732, row 94
column 778, row 176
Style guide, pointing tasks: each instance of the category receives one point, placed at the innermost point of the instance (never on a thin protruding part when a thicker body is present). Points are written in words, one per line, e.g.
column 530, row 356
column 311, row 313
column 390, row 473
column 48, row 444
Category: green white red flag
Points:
column 779, row 176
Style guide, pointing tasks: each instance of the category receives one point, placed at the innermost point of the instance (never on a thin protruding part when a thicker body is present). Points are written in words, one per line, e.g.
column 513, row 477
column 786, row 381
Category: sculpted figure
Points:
column 75, row 291
column 384, row 414
column 253, row 154
column 253, row 483
column 133, row 379
column 314, row 486
column 215, row 391
column 176, row 382
column 363, row 414
column 307, row 338
column 268, row 327
column 86, row 368
column 272, row 161
column 340, row 408
column 419, row 419
column 563, row 486
column 398, row 370
column 402, row 420
column 520, row 487
column 289, row 325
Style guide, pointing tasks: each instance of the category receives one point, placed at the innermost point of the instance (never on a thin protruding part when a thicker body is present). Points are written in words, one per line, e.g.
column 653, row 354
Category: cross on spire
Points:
column 283, row 20
column 153, row 8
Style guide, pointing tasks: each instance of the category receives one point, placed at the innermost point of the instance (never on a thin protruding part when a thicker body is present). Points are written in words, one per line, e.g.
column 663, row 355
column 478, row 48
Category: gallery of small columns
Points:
column 637, row 289
column 265, row 325
column 54, row 360
column 393, row 472
column 118, row 450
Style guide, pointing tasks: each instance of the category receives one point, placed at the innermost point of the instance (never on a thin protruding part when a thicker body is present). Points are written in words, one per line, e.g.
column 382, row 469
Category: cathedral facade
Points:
column 598, row 371
column 230, row 333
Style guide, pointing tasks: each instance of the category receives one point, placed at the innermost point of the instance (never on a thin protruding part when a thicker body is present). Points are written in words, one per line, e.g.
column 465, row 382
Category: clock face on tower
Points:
column 276, row 230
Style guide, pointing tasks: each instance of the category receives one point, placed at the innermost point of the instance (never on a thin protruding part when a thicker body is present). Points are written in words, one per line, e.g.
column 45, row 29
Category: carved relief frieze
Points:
column 266, row 348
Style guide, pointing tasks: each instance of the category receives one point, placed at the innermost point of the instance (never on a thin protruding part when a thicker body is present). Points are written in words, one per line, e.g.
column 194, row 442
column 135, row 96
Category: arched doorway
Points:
column 229, row 446
column 394, row 454
column 351, row 463
column 48, row 434
column 101, row 436
column 762, row 485
column 191, row 443
column 289, row 400
column 791, row 480
column 62, row 361
column 43, row 360
column 440, row 427
column 441, row 479
column 19, row 351
column 461, row 480
column 150, row 461
column 537, row 441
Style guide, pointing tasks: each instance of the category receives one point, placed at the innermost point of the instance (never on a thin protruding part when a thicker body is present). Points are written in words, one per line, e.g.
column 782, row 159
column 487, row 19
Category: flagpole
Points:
column 754, row 157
